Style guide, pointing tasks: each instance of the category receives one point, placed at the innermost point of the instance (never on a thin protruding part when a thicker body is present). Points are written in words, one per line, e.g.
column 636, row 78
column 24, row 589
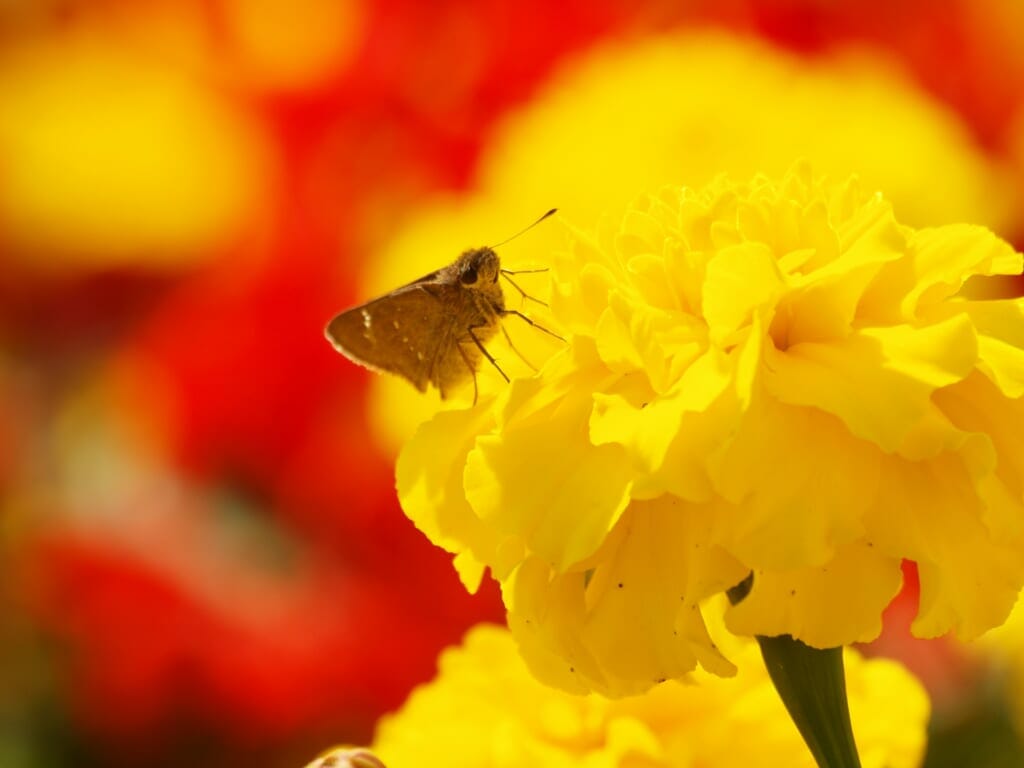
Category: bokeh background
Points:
column 202, row 562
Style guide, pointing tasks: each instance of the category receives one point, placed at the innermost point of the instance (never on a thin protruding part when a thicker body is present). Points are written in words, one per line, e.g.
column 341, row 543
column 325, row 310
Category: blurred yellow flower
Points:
column 680, row 109
column 484, row 709
column 111, row 159
column 773, row 377
column 685, row 108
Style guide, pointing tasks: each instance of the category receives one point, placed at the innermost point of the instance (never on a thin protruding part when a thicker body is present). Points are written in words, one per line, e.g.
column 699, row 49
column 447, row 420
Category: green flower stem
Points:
column 811, row 683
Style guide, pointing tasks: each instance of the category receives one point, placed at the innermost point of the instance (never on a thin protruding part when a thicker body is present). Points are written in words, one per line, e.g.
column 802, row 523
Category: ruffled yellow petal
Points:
column 826, row 295
column 631, row 616
column 975, row 407
column 459, row 720
column 431, row 492
column 831, row 605
column 932, row 513
column 1000, row 327
column 878, row 380
column 940, row 261
column 944, row 257
column 660, row 343
column 544, row 481
column 647, row 425
column 782, row 468
column 740, row 279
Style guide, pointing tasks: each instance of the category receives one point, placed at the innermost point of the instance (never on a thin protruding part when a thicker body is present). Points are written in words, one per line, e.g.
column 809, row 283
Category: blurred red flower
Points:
column 261, row 654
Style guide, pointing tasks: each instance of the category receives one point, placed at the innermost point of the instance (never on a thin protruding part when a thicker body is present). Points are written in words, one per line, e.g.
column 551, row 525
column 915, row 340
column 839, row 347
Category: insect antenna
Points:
column 527, row 229
column 506, row 272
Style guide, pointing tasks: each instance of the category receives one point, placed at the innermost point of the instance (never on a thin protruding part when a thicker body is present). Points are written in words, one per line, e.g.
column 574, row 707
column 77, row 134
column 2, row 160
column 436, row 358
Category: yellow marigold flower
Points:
column 680, row 109
column 767, row 377
column 484, row 709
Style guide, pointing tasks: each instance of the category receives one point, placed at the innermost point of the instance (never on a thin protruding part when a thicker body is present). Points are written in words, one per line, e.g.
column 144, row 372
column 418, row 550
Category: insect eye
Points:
column 469, row 276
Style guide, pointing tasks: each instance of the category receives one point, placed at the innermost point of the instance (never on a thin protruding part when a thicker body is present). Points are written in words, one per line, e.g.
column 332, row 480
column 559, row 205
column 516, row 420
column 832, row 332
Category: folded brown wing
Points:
column 403, row 332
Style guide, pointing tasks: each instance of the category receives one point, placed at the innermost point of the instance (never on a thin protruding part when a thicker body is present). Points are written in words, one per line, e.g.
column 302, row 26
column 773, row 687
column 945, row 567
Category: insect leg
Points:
column 526, row 297
column 538, row 326
column 487, row 354
column 508, row 338
column 472, row 370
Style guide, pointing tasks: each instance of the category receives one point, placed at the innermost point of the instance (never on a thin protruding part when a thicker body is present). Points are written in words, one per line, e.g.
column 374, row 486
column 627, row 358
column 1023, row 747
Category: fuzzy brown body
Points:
column 431, row 331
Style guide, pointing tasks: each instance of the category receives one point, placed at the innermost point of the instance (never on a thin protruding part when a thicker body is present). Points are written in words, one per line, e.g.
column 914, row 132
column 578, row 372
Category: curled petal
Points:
column 879, row 380
column 831, row 605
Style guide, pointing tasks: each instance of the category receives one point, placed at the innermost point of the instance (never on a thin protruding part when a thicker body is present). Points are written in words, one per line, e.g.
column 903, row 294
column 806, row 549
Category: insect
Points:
column 432, row 331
